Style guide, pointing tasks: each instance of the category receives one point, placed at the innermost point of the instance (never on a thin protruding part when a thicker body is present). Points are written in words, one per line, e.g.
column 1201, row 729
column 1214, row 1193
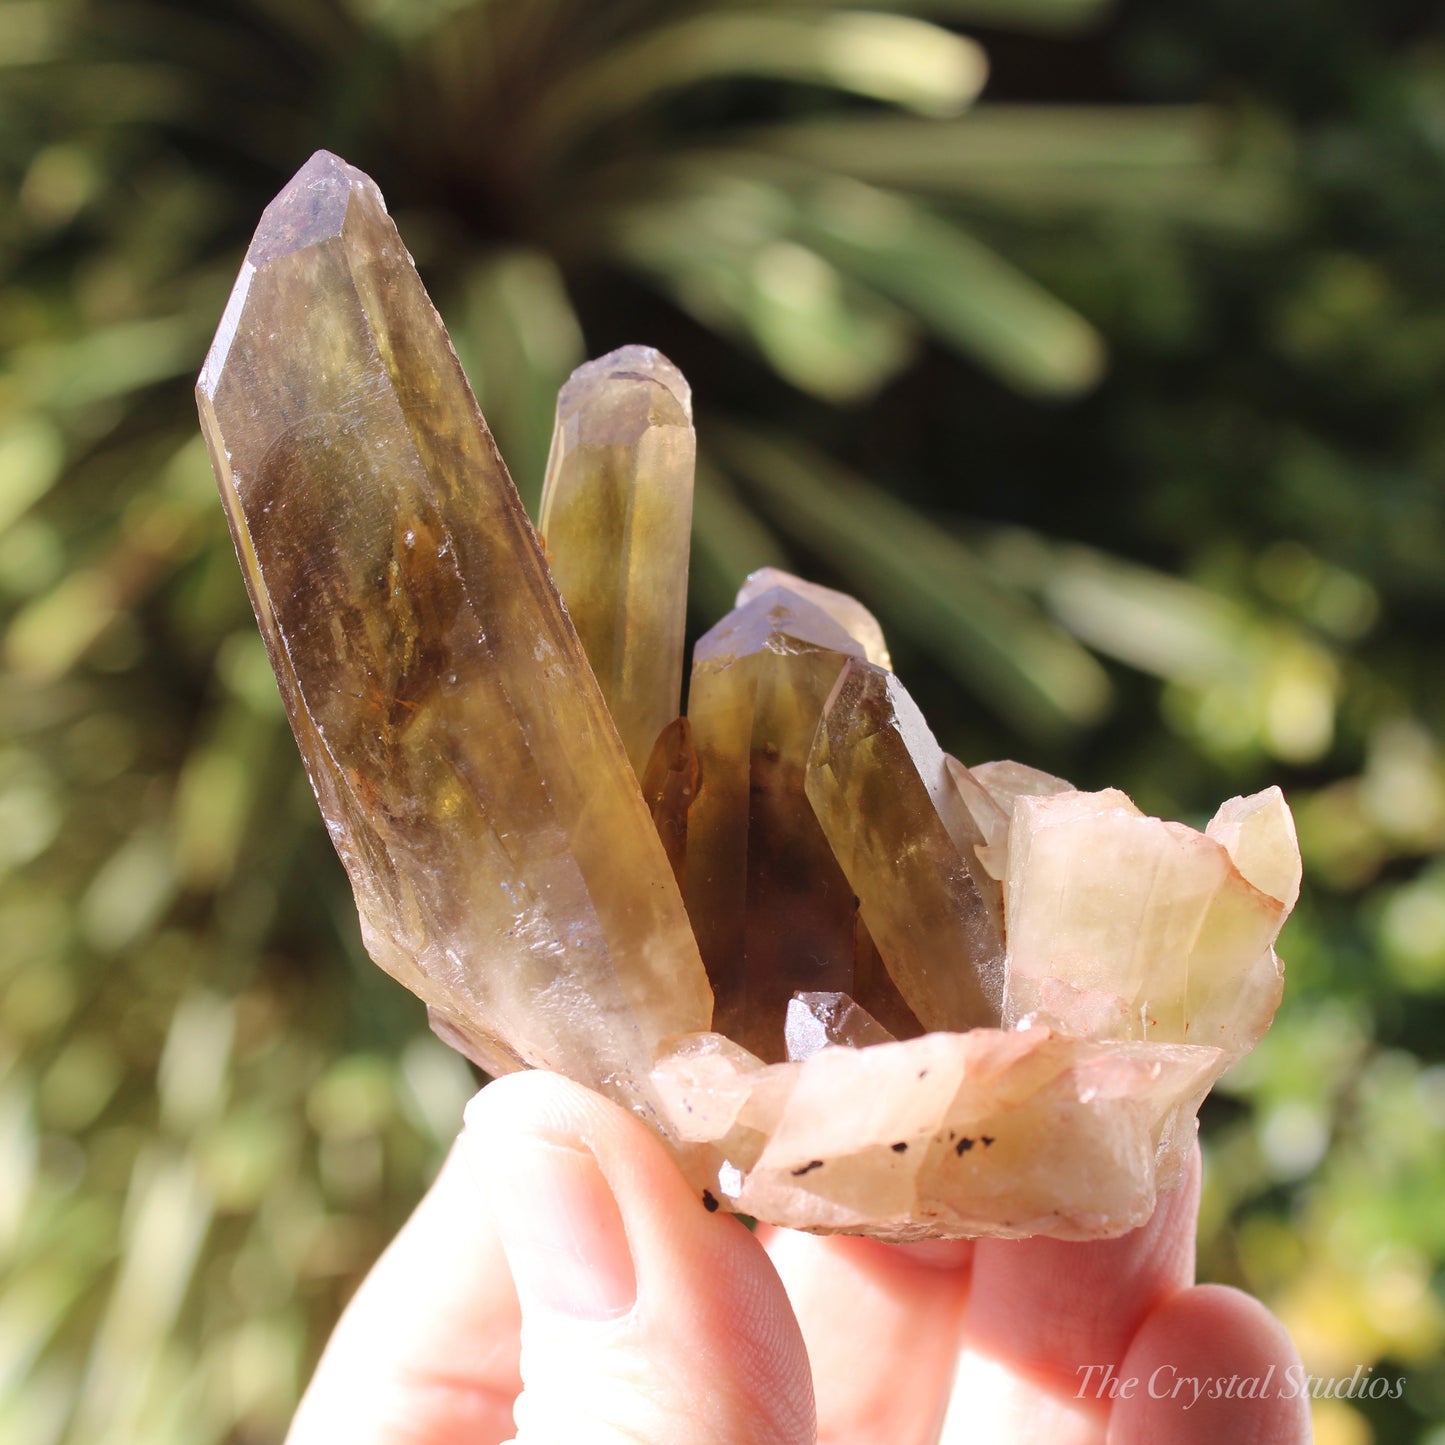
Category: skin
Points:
column 561, row 1282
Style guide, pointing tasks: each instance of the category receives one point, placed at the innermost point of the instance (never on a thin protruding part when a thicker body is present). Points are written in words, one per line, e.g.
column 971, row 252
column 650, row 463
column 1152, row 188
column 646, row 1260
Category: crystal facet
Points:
column 823, row 1020
column 503, row 862
column 617, row 518
column 669, row 784
column 878, row 783
column 1123, row 926
column 772, row 911
column 950, row 1000
column 850, row 614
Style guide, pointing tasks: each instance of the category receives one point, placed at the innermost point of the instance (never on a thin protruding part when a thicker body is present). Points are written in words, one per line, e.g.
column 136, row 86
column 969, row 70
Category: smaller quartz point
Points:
column 880, row 788
column 988, row 791
column 1258, row 833
column 710, row 1081
column 989, row 815
column 616, row 516
column 669, row 784
column 1006, row 781
column 1124, row 926
column 770, row 906
column 819, row 1020
column 850, row 614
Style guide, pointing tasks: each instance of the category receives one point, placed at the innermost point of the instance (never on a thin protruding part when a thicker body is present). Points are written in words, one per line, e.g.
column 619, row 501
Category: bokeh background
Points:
column 1101, row 350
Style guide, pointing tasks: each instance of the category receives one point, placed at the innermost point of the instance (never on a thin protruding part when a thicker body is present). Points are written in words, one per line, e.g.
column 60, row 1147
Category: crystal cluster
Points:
column 853, row 984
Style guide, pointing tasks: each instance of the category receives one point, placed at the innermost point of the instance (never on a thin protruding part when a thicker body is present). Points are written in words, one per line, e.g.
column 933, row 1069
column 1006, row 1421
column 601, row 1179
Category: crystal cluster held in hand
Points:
column 852, row 983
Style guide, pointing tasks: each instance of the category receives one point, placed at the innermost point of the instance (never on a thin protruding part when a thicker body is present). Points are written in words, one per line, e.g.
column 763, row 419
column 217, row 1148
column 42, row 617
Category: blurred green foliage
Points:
column 1114, row 393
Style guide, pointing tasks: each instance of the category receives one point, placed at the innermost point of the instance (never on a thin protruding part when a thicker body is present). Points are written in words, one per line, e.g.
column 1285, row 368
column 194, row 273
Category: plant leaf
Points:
column 1019, row 662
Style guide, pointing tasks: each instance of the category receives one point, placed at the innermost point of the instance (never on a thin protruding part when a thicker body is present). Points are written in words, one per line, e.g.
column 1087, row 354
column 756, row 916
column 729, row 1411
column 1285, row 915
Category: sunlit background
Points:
column 1101, row 351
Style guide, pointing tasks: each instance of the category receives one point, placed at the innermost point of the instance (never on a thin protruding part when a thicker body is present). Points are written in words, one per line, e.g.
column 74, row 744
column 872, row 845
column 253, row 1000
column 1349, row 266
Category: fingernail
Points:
column 561, row 1230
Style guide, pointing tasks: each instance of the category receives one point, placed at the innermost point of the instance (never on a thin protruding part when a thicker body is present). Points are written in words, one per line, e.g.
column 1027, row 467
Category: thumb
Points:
column 645, row 1319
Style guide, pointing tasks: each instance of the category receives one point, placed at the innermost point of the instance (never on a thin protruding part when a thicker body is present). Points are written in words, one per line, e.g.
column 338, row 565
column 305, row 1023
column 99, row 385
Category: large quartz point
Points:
column 617, row 518
column 950, row 1000
column 504, row 864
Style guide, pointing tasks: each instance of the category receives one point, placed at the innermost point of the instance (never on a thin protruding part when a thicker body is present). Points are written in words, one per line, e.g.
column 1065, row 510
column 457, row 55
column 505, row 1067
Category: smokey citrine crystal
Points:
column 616, row 515
column 772, row 910
column 504, row 864
column 879, row 785
column 853, row 983
column 850, row 614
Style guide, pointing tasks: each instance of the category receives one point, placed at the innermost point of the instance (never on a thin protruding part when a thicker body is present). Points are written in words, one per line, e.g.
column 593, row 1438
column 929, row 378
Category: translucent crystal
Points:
column 772, row 911
column 874, row 989
column 1258, row 834
column 878, row 783
column 987, row 1132
column 822, row 1020
column 504, row 864
column 617, row 518
column 1006, row 781
column 988, row 791
column 1123, row 926
column 669, row 784
column 850, row 614
column 951, row 1000
column 990, row 816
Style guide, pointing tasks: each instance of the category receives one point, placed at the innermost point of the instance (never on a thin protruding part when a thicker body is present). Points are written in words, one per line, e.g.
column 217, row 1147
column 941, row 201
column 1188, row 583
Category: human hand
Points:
column 639, row 1317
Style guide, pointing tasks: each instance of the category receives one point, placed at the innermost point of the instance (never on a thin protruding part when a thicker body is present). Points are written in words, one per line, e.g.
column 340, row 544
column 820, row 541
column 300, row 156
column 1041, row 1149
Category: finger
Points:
column 1047, row 1305
column 1211, row 1364
column 882, row 1327
column 427, row 1351
column 645, row 1319
column 1042, row 1312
